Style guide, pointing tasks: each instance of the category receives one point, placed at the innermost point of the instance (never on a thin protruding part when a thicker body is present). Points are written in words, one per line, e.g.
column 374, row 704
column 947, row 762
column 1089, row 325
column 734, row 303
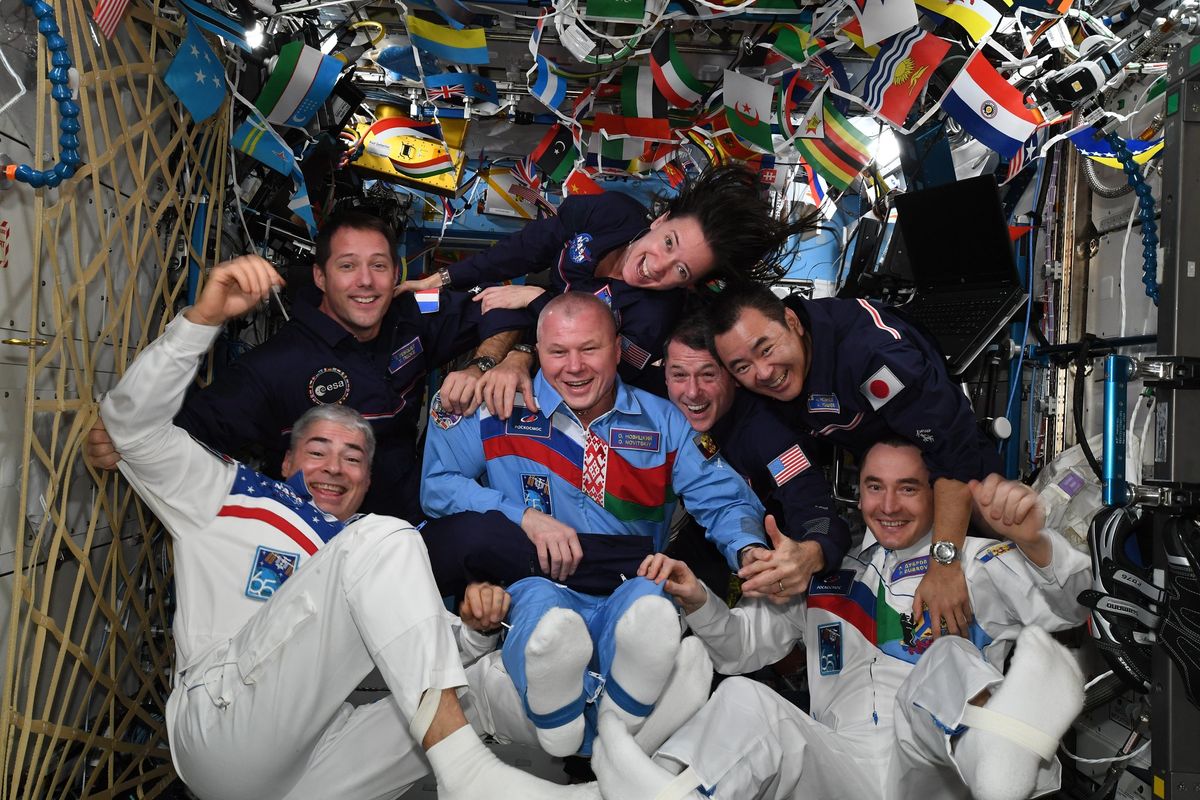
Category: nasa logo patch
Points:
column 271, row 568
column 329, row 386
column 535, row 489
column 578, row 250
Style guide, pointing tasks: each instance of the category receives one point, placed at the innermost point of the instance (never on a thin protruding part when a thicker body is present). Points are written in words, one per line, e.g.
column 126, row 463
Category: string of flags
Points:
column 647, row 112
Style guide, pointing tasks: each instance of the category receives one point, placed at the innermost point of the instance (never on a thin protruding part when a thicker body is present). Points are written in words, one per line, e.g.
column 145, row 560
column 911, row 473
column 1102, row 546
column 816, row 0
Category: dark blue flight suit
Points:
column 570, row 245
column 872, row 375
column 313, row 360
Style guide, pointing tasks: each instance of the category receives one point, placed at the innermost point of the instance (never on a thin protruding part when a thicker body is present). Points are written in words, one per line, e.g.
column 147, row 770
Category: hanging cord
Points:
column 68, row 109
column 1133, row 174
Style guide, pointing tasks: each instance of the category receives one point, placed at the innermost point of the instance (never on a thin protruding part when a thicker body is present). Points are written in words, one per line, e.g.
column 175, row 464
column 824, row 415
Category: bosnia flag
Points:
column 1091, row 143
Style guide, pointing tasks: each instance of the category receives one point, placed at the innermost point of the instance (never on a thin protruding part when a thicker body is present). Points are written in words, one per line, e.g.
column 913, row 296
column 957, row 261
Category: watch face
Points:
column 944, row 552
column 484, row 363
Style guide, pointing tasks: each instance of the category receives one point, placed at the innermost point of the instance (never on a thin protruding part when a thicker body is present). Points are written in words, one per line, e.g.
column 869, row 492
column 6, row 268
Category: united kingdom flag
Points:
column 445, row 92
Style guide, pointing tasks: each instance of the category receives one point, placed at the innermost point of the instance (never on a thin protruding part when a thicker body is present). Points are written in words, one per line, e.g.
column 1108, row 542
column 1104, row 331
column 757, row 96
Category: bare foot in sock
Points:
column 1044, row 690
column 555, row 659
column 466, row 770
column 624, row 771
column 686, row 691
column 647, row 638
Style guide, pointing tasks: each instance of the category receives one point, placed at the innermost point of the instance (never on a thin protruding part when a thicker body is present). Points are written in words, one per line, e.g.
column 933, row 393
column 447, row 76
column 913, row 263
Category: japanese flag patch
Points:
column 881, row 387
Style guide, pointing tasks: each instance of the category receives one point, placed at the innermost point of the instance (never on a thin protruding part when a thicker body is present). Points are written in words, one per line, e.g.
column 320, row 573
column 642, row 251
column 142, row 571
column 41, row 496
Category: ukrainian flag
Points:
column 467, row 46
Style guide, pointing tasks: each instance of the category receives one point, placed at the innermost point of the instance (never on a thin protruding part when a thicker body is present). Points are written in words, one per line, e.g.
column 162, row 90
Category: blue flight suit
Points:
column 871, row 375
column 618, row 477
column 777, row 463
column 313, row 360
column 570, row 245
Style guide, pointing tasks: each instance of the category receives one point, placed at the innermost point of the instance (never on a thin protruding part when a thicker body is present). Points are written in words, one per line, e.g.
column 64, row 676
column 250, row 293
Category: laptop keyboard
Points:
column 955, row 316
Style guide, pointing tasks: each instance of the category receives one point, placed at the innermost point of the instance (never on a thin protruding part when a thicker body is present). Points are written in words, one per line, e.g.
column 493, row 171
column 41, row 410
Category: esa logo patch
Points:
column 328, row 386
column 535, row 489
column 404, row 354
column 578, row 250
column 829, row 648
column 271, row 568
column 631, row 439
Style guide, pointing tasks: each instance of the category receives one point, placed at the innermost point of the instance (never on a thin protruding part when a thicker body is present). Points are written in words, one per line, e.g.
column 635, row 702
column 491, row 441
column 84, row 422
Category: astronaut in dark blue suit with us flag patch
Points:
column 852, row 372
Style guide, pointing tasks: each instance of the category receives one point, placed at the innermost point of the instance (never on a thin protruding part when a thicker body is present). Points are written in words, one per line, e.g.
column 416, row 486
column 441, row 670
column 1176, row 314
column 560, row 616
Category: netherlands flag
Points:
column 990, row 108
column 788, row 464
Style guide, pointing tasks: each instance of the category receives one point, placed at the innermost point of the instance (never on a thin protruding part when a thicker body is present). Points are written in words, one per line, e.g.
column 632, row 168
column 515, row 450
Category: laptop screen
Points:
column 956, row 236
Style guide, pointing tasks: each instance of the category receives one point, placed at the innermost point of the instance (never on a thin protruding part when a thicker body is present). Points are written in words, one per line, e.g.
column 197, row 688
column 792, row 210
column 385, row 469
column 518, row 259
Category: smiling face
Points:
column 357, row 280
column 765, row 356
column 334, row 461
column 698, row 385
column 894, row 495
column 672, row 254
column 578, row 353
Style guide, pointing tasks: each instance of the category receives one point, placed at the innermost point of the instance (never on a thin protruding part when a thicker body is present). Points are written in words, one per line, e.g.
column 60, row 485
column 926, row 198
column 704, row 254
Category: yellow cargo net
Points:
column 89, row 647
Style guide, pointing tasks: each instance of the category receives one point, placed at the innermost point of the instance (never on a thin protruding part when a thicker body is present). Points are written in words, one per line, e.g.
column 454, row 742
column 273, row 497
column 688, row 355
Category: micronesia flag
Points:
column 990, row 108
column 197, row 76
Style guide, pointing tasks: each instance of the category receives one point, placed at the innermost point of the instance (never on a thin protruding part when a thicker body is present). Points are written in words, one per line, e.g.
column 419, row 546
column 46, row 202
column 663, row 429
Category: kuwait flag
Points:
column 748, row 109
column 841, row 154
column 555, row 154
column 671, row 75
column 299, row 84
column 904, row 65
column 643, row 107
column 990, row 108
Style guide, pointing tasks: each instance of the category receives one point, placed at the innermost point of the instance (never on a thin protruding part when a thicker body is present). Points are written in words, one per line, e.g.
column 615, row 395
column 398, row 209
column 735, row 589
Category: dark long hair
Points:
column 747, row 240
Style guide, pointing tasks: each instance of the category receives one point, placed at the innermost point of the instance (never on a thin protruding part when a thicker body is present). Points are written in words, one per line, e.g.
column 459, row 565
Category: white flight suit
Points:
column 885, row 701
column 267, row 652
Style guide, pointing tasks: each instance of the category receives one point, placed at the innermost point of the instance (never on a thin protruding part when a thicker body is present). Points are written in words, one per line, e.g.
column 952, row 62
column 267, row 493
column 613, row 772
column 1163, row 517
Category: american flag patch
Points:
column 788, row 464
column 633, row 355
column 107, row 14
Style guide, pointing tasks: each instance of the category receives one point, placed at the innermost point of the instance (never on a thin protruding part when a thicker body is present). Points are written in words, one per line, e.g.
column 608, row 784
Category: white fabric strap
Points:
column 1020, row 732
column 418, row 726
column 680, row 787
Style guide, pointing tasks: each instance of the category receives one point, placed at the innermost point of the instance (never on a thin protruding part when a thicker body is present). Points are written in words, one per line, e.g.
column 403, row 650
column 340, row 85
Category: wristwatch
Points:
column 444, row 274
column 944, row 552
column 524, row 348
column 484, row 363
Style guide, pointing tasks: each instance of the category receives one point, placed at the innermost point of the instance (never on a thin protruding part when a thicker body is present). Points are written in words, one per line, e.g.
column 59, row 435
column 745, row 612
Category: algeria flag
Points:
column 748, row 109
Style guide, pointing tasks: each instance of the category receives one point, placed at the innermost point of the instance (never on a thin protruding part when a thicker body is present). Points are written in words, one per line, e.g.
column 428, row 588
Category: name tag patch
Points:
column 535, row 489
column 271, row 568
column 913, row 566
column 829, row 648
column 524, row 422
column 824, row 404
column 404, row 354
column 631, row 439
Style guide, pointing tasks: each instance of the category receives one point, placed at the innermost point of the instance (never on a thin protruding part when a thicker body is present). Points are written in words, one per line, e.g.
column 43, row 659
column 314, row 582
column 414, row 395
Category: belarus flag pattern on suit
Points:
column 904, row 65
column 990, row 108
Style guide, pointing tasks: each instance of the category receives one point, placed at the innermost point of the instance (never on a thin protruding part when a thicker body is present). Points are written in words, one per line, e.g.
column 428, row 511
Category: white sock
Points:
column 1044, row 690
column 555, row 659
column 466, row 770
column 686, row 691
column 647, row 639
column 624, row 771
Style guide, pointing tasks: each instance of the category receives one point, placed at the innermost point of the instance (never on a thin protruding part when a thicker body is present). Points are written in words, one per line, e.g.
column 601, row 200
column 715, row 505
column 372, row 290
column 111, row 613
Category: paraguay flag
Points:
column 990, row 108
column 671, row 75
column 904, row 65
column 465, row 46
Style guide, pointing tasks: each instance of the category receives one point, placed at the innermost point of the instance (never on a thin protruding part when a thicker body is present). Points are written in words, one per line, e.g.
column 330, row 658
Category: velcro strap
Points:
column 557, row 718
column 422, row 718
column 624, row 700
column 1015, row 730
column 680, row 787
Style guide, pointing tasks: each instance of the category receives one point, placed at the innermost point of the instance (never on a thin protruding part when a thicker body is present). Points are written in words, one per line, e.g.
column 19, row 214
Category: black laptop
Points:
column 961, row 258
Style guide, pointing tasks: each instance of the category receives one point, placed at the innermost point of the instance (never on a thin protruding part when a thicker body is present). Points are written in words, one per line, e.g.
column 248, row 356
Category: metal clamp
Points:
column 31, row 342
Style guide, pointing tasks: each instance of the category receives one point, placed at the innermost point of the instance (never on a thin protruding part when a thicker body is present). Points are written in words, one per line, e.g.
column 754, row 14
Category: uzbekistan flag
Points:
column 904, row 65
column 671, row 75
column 299, row 84
column 466, row 46
column 990, row 108
column 748, row 109
column 841, row 154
